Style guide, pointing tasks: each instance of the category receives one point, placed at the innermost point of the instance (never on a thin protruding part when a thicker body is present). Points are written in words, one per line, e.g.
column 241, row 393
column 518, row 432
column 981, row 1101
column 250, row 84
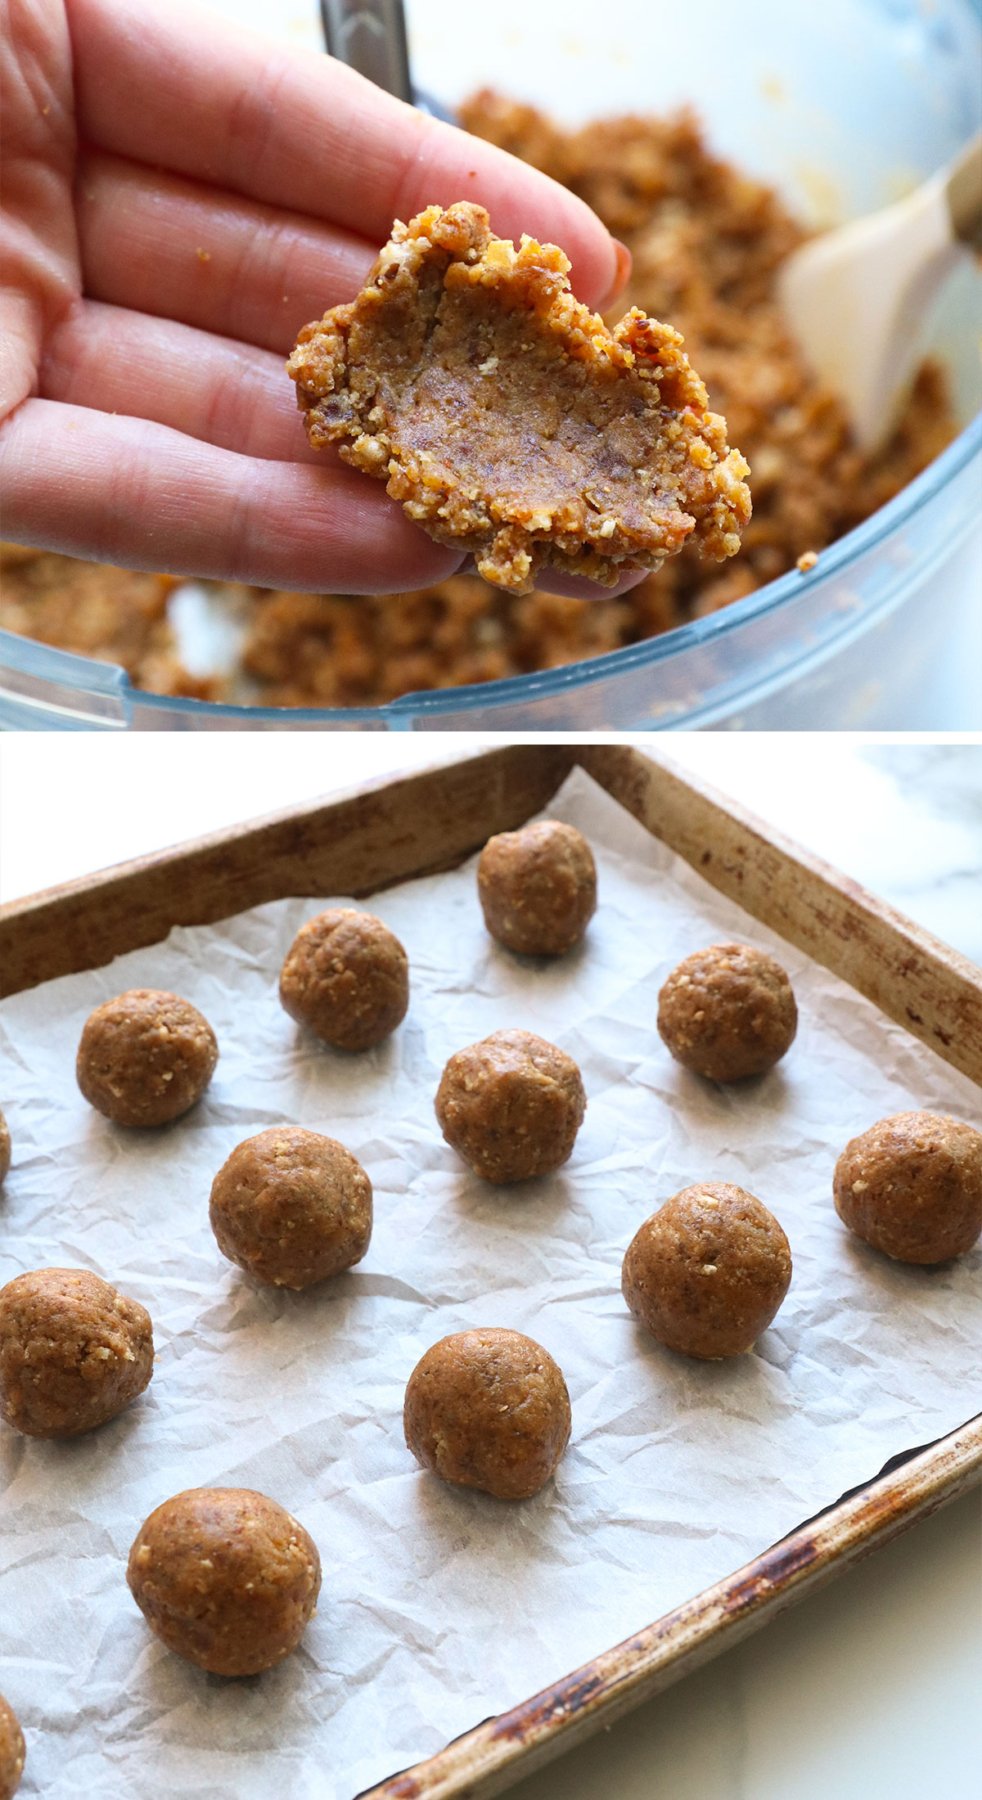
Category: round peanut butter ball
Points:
column 728, row 1012
column 292, row 1207
column 538, row 888
column 488, row 1409
column 73, row 1352
column 4, row 1147
column 11, row 1751
column 226, row 1578
column 145, row 1057
column 511, row 1106
column 346, row 977
column 912, row 1187
column 708, row 1271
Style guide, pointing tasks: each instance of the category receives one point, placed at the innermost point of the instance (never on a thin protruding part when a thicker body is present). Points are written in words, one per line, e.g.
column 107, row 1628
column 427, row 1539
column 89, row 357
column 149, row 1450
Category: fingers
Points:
column 20, row 340
column 208, row 387
column 158, row 243
column 576, row 587
column 175, row 86
column 127, row 491
column 236, row 398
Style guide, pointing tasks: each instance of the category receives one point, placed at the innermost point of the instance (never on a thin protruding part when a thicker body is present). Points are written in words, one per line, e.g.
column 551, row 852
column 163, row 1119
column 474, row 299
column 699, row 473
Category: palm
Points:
column 180, row 198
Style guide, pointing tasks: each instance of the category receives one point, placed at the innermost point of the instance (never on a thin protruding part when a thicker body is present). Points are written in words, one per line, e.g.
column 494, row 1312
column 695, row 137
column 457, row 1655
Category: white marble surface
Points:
column 871, row 1687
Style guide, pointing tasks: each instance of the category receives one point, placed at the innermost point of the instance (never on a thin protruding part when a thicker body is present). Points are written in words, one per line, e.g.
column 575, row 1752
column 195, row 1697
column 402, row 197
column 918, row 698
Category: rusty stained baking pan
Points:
column 502, row 1750
column 392, row 830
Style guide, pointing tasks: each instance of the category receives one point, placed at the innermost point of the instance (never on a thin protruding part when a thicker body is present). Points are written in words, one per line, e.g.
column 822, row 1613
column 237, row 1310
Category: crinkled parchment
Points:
column 441, row 1607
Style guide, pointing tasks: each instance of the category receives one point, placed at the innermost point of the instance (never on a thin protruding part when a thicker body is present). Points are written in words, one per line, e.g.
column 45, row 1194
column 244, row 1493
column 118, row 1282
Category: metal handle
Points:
column 370, row 36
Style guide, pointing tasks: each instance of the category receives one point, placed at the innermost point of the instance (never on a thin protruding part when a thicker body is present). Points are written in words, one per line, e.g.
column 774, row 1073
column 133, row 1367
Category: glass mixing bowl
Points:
column 842, row 107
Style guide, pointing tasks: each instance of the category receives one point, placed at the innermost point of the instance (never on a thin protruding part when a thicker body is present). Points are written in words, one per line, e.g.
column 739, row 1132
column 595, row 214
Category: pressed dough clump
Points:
column 145, row 1057
column 292, row 1207
column 4, row 1147
column 708, row 1271
column 509, row 420
column 511, row 1106
column 226, row 1578
column 538, row 888
column 488, row 1409
column 912, row 1187
column 346, row 977
column 11, row 1751
column 73, row 1352
column 728, row 1012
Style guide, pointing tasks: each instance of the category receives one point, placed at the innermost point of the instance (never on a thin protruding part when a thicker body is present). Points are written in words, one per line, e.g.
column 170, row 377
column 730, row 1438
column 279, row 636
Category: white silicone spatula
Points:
column 858, row 299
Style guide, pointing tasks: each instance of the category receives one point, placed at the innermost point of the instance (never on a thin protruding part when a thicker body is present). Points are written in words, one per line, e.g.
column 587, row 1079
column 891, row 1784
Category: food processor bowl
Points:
column 841, row 107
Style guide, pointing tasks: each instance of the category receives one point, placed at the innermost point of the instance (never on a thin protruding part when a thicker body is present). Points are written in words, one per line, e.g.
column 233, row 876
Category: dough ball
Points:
column 226, row 1578
column 488, row 1409
column 728, row 1012
column 538, row 888
column 292, row 1207
column 4, row 1147
column 11, row 1751
column 912, row 1186
column 708, row 1271
column 145, row 1057
column 511, row 1106
column 73, row 1352
column 346, row 976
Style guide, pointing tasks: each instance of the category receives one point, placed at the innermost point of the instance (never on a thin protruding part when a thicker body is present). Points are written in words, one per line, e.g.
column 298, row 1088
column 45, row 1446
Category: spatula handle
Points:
column 370, row 36
column 964, row 192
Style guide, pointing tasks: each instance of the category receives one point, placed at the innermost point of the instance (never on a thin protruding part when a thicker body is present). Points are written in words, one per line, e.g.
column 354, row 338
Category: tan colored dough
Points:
column 11, row 1751
column 226, row 1577
column 511, row 1106
column 488, row 1409
column 73, row 1352
column 4, row 1148
column 145, row 1057
column 509, row 420
column 708, row 1271
column 346, row 977
column 912, row 1187
column 292, row 1207
column 728, row 1012
column 538, row 888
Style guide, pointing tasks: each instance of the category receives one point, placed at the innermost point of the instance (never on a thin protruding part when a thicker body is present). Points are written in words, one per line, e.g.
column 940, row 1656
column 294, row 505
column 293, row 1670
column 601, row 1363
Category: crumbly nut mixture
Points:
column 117, row 615
column 324, row 650
column 509, row 420
column 707, row 242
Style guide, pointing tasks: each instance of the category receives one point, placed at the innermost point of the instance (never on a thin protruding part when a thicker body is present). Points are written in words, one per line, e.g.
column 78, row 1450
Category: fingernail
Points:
column 623, row 274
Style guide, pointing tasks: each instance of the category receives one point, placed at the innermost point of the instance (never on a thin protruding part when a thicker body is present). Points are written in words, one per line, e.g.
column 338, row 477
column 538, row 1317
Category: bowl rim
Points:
column 432, row 704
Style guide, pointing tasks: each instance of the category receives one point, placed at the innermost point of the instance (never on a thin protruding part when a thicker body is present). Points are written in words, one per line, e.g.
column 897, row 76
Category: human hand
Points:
column 179, row 198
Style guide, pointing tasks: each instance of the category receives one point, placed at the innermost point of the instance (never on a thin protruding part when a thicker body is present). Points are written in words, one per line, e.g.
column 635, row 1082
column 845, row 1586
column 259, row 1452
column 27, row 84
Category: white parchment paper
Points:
column 442, row 1607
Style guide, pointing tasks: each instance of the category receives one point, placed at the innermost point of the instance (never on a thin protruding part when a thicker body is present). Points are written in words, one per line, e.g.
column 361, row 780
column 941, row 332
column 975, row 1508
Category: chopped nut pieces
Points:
column 509, row 420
